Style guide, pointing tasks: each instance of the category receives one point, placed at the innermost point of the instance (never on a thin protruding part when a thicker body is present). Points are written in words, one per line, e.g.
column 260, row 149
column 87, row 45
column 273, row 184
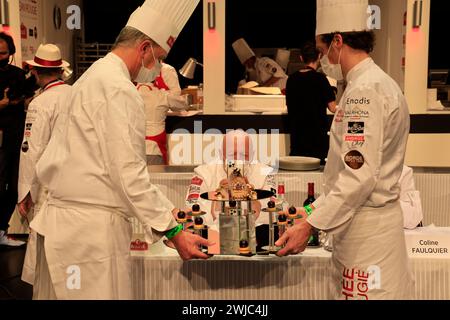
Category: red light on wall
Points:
column 6, row 29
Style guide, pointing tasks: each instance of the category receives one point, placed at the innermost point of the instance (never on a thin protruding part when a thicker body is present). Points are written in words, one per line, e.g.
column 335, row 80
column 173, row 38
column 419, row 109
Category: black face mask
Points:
column 4, row 63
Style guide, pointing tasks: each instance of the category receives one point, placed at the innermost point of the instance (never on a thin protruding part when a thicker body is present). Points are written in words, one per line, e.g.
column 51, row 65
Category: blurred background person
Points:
column 160, row 96
column 14, row 96
column 308, row 95
column 263, row 70
column 43, row 111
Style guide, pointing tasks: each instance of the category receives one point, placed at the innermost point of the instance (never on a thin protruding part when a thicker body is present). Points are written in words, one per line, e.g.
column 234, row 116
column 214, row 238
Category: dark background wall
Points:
column 439, row 58
column 263, row 23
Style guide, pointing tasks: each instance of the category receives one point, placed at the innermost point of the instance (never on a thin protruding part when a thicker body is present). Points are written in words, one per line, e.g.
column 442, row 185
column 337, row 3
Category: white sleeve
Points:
column 38, row 127
column 361, row 162
column 170, row 76
column 273, row 68
column 410, row 200
column 121, row 134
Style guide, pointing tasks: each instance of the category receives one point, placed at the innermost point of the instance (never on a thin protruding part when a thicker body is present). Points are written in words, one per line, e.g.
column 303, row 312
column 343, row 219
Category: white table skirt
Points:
column 164, row 276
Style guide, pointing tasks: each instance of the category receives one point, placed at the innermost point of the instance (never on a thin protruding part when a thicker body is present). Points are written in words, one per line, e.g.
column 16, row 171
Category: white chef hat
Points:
column 242, row 50
column 282, row 58
column 342, row 16
column 162, row 20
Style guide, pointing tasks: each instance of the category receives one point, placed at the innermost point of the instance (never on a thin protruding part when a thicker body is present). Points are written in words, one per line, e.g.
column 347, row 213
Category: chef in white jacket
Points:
column 237, row 145
column 268, row 73
column 159, row 97
column 360, row 205
column 40, row 121
column 96, row 173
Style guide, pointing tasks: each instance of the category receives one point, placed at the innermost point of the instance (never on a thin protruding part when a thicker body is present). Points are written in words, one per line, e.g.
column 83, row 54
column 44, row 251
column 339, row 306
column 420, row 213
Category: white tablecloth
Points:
column 162, row 275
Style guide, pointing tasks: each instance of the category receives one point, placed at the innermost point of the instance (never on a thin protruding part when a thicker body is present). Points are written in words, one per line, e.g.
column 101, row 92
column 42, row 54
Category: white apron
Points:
column 370, row 258
column 29, row 264
column 88, row 252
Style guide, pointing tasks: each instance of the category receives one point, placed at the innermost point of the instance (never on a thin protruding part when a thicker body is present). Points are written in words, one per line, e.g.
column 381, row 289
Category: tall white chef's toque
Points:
column 282, row 58
column 162, row 20
column 242, row 50
column 342, row 16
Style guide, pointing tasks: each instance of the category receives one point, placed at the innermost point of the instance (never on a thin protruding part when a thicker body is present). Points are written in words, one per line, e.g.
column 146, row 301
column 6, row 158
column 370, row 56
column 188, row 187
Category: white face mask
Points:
column 148, row 75
column 332, row 70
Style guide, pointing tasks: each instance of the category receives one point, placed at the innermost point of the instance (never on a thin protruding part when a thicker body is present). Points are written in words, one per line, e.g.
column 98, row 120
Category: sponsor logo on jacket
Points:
column 355, row 128
column 138, row 245
column 356, row 101
column 354, row 159
column 357, row 114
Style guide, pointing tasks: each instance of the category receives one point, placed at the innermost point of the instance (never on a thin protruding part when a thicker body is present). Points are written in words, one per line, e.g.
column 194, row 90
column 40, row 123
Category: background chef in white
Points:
column 96, row 172
column 160, row 96
column 360, row 204
column 236, row 145
column 40, row 121
column 268, row 73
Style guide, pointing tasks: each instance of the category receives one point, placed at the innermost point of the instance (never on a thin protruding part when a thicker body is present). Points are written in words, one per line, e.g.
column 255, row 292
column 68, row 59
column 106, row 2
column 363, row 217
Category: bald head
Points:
column 237, row 145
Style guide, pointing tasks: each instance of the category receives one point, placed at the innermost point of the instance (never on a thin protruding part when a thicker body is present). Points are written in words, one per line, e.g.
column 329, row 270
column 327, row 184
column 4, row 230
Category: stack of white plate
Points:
column 299, row 163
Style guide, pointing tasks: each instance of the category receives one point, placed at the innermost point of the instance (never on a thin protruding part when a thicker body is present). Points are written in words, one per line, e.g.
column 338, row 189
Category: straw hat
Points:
column 48, row 56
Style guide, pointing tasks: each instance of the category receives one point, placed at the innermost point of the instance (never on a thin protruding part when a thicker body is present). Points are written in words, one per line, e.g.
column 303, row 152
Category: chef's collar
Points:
column 358, row 69
column 119, row 61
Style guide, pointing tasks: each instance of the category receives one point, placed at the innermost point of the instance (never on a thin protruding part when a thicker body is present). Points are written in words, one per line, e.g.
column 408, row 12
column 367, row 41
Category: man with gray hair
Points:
column 95, row 169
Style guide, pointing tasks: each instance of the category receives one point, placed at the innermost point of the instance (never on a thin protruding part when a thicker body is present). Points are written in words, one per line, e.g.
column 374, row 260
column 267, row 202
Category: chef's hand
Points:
column 295, row 239
column 25, row 205
column 187, row 245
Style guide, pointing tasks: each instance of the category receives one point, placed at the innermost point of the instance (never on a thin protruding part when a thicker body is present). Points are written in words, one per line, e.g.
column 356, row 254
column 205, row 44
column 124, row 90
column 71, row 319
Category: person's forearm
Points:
column 270, row 82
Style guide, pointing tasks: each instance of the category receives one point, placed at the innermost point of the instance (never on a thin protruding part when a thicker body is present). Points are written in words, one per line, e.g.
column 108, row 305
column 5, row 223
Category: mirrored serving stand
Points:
column 236, row 221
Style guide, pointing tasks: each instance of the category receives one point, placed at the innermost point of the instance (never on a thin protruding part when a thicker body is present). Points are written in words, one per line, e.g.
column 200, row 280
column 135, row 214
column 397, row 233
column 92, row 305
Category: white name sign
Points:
column 428, row 245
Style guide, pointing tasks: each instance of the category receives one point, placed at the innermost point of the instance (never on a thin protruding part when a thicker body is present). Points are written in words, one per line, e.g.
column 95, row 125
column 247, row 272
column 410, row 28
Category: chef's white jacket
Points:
column 95, row 170
column 40, row 121
column 267, row 68
column 158, row 102
column 170, row 77
column 99, row 159
column 367, row 148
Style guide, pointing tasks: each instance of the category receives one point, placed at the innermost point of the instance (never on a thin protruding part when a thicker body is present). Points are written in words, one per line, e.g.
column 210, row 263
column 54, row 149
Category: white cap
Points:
column 342, row 16
column 282, row 58
column 162, row 20
column 48, row 56
column 242, row 50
